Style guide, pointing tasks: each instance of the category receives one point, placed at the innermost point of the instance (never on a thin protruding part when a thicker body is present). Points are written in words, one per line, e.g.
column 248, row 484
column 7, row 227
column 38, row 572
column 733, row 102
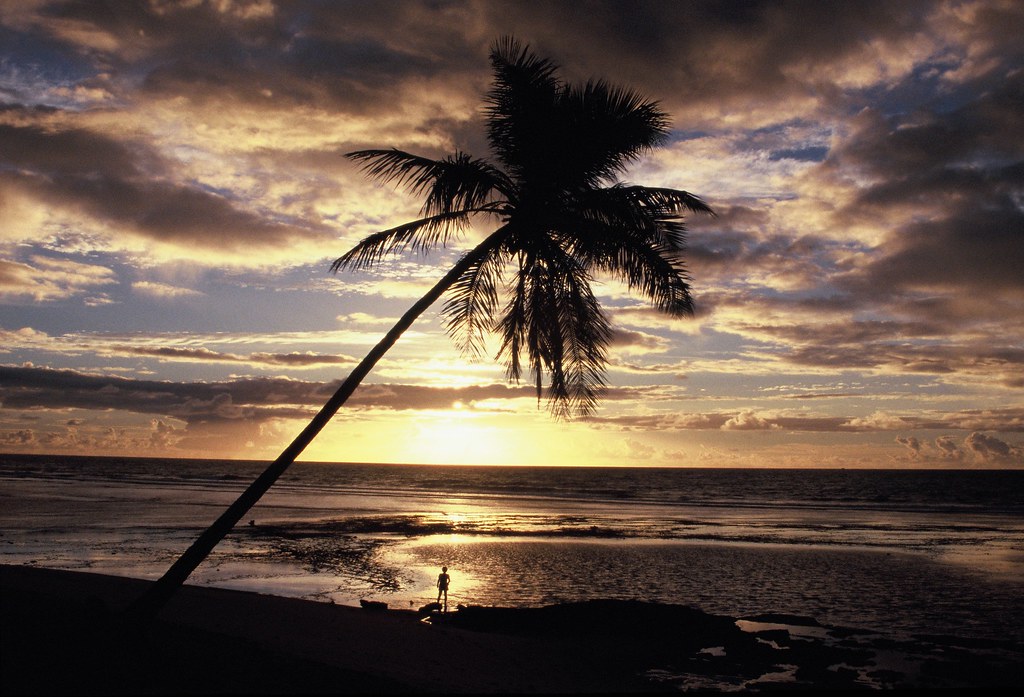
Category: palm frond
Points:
column 452, row 183
column 657, row 273
column 610, row 213
column 670, row 200
column 519, row 106
column 606, row 128
column 469, row 311
column 652, row 214
column 419, row 235
column 585, row 334
column 554, row 318
column 646, row 255
column 513, row 323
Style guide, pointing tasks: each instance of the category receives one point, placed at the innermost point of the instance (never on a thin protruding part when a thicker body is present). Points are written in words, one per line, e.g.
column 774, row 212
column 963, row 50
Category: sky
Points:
column 173, row 189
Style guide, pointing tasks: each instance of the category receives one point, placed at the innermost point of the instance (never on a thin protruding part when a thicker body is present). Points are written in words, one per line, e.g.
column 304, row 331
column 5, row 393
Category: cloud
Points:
column 878, row 421
column 194, row 346
column 912, row 443
column 125, row 187
column 163, row 290
column 26, row 337
column 356, row 56
column 19, row 438
column 951, row 180
column 640, row 450
column 189, row 354
column 255, row 399
column 43, row 388
column 45, row 279
column 160, row 439
column 633, row 341
column 164, row 435
column 747, row 420
column 677, row 370
column 389, row 288
column 1008, row 420
column 976, row 447
column 935, row 338
column 990, row 449
column 364, row 319
column 948, row 448
column 402, row 397
column 762, row 54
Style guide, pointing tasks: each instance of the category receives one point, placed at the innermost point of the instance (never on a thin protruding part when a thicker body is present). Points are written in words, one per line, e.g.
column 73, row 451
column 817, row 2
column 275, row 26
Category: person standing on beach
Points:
column 443, row 579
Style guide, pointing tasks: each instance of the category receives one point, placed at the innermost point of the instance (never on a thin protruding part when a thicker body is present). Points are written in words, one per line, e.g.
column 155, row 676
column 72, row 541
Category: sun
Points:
column 458, row 436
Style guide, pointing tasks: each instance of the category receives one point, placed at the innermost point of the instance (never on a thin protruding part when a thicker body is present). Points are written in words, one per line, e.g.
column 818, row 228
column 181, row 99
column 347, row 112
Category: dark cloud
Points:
column 254, row 399
column 293, row 359
column 74, row 152
column 941, row 335
column 44, row 388
column 739, row 249
column 355, row 55
column 712, row 56
column 911, row 148
column 298, row 359
column 631, row 339
column 345, row 76
column 852, row 332
column 965, row 167
column 348, row 57
column 981, row 252
column 124, row 183
column 823, row 395
column 1003, row 365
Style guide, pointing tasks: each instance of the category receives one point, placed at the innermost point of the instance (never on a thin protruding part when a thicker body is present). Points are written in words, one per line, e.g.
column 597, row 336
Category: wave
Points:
column 836, row 535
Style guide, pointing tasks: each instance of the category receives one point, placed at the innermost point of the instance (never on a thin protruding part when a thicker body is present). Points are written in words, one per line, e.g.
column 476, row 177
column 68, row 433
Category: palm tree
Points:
column 561, row 217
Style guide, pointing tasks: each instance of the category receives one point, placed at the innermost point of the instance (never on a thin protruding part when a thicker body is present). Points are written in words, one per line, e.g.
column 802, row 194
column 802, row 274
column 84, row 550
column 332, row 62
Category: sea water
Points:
column 901, row 551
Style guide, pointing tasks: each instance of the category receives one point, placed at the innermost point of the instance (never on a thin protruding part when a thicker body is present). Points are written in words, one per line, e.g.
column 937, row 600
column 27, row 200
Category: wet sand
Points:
column 62, row 634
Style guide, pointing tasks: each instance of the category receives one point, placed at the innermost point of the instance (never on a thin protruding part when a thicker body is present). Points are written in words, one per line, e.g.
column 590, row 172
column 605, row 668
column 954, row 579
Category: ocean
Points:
column 905, row 552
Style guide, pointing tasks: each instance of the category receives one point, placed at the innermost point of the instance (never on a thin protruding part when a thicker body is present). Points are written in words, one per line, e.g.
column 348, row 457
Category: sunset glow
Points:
column 173, row 190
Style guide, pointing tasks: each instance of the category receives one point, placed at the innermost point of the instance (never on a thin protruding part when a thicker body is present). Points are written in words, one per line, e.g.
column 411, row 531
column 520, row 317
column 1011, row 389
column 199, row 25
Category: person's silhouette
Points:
column 443, row 579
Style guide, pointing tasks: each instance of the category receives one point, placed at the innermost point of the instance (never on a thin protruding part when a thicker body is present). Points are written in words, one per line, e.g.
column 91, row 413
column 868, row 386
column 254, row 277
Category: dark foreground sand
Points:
column 62, row 634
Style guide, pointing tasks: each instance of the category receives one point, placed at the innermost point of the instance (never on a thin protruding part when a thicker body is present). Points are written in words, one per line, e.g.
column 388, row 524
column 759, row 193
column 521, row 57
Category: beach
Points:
column 563, row 580
column 910, row 552
column 63, row 633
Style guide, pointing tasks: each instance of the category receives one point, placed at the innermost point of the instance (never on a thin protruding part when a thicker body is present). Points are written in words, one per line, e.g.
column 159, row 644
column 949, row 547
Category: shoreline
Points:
column 61, row 635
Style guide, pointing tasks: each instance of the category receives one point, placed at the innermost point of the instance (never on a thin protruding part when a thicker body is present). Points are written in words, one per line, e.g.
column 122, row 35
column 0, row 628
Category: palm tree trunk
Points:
column 145, row 608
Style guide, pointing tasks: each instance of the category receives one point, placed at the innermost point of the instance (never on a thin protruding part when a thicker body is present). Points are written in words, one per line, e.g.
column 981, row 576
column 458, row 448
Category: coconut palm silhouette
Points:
column 560, row 218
